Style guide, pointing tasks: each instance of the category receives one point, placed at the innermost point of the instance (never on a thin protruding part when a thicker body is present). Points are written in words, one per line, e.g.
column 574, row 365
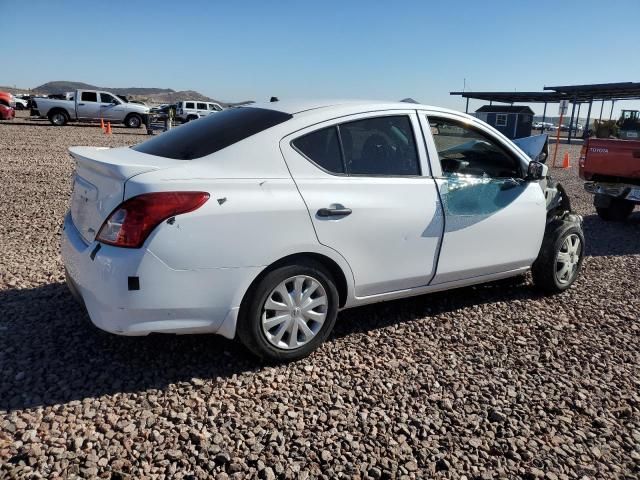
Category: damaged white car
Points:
column 262, row 222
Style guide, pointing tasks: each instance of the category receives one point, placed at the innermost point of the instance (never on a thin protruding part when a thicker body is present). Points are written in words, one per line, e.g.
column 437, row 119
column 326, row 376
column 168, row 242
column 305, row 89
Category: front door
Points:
column 494, row 219
column 111, row 108
column 87, row 105
column 366, row 183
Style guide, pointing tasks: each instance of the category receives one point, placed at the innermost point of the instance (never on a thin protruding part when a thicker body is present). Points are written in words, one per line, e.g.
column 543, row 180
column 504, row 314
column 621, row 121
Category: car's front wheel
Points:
column 289, row 313
column 560, row 257
column 133, row 121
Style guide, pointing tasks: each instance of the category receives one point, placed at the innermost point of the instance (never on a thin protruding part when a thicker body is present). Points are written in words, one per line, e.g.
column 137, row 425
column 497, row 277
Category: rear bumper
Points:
column 616, row 190
column 167, row 300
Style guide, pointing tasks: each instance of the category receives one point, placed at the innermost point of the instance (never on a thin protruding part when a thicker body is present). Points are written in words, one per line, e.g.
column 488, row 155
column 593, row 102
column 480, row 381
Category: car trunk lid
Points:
column 99, row 182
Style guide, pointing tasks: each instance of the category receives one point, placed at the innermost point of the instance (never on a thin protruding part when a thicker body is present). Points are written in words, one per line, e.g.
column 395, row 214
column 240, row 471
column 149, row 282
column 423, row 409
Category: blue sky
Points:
column 243, row 50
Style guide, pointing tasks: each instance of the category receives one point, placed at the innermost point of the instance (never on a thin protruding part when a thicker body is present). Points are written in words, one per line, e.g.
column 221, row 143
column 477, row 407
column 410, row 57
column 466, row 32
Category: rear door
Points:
column 366, row 182
column 87, row 105
column 494, row 219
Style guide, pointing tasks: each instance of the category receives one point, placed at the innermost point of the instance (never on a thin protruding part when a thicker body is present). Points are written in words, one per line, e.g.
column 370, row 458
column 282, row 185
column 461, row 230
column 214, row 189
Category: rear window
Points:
column 212, row 133
column 323, row 148
column 89, row 96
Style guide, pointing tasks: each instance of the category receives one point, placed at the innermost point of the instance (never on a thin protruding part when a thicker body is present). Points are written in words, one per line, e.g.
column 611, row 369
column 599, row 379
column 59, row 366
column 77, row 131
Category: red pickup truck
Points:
column 612, row 170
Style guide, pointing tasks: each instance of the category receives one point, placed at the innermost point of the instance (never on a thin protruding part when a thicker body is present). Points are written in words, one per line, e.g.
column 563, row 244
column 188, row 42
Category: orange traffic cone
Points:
column 102, row 124
column 565, row 160
column 108, row 131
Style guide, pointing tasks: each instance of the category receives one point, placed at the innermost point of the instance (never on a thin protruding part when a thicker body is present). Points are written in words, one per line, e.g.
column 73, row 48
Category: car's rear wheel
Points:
column 560, row 257
column 289, row 313
column 133, row 121
column 618, row 210
column 58, row 118
column 19, row 106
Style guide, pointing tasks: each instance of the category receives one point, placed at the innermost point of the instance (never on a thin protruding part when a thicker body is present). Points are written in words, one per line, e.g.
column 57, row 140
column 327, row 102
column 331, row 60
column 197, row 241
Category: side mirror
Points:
column 536, row 171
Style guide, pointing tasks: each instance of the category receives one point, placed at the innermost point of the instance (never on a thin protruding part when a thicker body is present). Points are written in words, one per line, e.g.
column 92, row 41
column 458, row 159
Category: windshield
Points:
column 207, row 135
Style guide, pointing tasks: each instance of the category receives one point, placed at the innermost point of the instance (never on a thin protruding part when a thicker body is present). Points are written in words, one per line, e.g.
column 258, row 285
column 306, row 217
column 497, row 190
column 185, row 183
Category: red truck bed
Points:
column 610, row 159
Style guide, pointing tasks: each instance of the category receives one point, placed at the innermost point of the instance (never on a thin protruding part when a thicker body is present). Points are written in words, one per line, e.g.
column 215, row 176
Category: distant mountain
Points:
column 149, row 95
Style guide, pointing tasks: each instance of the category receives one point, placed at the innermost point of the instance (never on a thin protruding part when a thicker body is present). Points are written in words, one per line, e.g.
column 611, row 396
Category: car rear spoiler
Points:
column 536, row 146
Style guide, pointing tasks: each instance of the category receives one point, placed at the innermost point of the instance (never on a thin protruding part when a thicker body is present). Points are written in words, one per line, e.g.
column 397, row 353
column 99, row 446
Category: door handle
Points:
column 338, row 211
column 81, row 104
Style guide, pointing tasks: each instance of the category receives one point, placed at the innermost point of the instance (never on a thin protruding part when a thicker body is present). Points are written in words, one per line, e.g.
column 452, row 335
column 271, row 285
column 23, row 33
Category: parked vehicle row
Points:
column 89, row 105
column 262, row 222
column 93, row 105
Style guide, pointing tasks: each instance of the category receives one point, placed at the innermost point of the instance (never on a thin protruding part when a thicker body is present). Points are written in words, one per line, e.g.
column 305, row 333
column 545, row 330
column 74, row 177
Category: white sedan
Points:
column 262, row 222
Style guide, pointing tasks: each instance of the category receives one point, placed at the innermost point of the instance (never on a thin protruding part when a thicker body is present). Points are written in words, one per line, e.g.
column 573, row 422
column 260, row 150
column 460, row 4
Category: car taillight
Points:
column 132, row 221
column 583, row 153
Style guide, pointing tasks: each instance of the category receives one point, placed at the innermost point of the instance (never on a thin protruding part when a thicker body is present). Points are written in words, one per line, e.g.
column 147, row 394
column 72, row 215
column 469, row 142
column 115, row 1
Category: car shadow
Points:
column 612, row 238
column 120, row 129
column 51, row 354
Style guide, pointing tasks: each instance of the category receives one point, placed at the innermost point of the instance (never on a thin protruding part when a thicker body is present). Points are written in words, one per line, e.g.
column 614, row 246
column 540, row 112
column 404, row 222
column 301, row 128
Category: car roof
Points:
column 295, row 107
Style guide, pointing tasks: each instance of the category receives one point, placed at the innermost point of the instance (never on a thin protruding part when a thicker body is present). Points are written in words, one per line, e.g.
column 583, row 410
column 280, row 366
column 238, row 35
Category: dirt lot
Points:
column 493, row 381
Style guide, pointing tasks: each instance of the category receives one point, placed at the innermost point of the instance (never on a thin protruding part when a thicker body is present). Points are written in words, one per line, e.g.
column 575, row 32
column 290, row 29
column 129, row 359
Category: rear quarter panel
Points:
column 254, row 216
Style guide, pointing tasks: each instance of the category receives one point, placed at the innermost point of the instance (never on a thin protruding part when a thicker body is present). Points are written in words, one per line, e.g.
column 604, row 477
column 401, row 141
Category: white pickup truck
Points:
column 89, row 105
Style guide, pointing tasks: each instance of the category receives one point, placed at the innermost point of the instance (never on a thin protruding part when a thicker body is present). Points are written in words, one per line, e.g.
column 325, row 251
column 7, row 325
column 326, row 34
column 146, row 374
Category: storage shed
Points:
column 512, row 121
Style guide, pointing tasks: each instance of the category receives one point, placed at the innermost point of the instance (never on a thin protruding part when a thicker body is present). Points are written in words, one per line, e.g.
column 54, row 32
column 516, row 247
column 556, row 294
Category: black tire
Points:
column 58, row 118
column 617, row 211
column 545, row 269
column 133, row 120
column 191, row 117
column 19, row 106
column 250, row 330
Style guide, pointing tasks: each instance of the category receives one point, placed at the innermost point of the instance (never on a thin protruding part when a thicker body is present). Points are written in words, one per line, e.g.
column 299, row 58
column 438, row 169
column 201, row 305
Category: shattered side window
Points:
column 464, row 150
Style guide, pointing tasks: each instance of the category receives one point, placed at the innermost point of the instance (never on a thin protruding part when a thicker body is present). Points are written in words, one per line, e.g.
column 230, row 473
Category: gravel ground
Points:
column 483, row 382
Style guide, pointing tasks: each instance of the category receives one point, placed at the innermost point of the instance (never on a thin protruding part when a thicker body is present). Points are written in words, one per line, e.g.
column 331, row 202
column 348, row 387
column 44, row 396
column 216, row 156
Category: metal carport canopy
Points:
column 513, row 97
column 576, row 94
column 600, row 91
